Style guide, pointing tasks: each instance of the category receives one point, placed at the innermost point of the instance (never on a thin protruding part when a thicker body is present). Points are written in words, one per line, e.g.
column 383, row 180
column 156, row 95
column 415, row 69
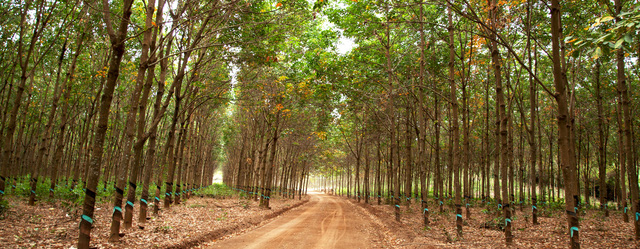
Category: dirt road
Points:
column 324, row 222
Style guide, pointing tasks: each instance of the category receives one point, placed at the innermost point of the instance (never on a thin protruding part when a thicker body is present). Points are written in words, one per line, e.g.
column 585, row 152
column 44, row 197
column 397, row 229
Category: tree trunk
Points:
column 453, row 101
column 269, row 170
column 564, row 126
column 57, row 159
column 408, row 160
column 533, row 93
column 624, row 103
column 118, row 48
column 602, row 163
column 141, row 109
column 501, row 127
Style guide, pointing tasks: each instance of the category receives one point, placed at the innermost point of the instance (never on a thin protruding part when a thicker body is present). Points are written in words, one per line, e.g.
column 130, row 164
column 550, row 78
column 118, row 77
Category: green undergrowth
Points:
column 217, row 190
column 68, row 198
column 4, row 206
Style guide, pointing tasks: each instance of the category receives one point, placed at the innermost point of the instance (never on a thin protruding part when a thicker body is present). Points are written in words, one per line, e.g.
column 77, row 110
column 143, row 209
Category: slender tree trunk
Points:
column 602, row 164
column 183, row 139
column 623, row 167
column 421, row 129
column 43, row 153
column 438, row 178
column 366, row 173
column 118, row 48
column 266, row 189
column 533, row 92
column 453, row 101
column 487, row 150
column 141, row 109
column 378, row 173
column 624, row 102
column 408, row 159
column 501, row 127
column 395, row 193
column 564, row 125
column 57, row 159
column 170, row 148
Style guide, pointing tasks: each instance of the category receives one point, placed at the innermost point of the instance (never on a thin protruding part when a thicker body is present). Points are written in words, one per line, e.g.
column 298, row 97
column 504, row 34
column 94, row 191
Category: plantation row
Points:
column 510, row 103
column 110, row 101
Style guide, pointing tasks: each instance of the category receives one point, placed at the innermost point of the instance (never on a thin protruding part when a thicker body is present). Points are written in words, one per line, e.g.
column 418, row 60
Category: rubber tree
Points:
column 453, row 102
column 564, row 142
column 624, row 103
column 117, row 39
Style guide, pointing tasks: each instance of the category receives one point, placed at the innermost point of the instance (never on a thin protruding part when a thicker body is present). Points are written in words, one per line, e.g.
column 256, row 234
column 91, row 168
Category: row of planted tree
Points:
column 515, row 103
column 115, row 96
column 276, row 140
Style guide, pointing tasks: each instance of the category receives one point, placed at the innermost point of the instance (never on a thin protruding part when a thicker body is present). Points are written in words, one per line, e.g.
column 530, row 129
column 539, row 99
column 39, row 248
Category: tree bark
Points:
column 602, row 163
column 564, row 126
column 118, row 47
column 453, row 102
column 624, row 103
column 140, row 108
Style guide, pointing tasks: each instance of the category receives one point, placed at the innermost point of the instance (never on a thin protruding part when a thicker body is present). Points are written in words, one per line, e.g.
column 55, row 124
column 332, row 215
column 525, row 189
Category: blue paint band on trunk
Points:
column 87, row 219
column 574, row 229
column 117, row 209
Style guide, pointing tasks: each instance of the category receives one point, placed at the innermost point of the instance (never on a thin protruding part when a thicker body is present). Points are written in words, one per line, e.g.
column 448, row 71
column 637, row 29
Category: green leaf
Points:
column 575, row 54
column 597, row 53
column 618, row 43
column 628, row 38
column 606, row 50
column 606, row 18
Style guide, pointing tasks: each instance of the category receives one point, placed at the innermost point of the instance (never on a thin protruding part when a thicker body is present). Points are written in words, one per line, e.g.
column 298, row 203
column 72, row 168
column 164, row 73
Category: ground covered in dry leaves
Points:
column 201, row 220
column 187, row 225
column 595, row 230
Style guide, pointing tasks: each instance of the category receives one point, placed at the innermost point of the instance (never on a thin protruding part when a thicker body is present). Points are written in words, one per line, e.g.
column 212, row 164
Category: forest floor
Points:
column 482, row 229
column 187, row 225
column 324, row 221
